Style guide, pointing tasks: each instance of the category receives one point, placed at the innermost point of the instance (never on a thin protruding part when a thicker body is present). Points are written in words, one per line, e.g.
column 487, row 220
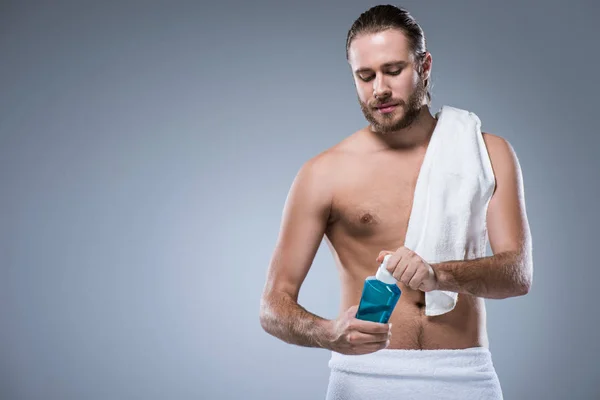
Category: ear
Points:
column 426, row 66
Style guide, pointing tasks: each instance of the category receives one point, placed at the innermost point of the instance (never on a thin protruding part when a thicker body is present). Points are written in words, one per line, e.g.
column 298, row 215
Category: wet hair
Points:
column 384, row 17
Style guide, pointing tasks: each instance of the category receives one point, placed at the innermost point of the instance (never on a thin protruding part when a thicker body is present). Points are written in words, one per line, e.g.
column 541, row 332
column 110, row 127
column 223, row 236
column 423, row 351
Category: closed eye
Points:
column 370, row 77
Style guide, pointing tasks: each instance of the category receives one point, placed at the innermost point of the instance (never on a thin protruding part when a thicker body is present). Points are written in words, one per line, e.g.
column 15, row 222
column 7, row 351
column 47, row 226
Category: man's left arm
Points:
column 509, row 272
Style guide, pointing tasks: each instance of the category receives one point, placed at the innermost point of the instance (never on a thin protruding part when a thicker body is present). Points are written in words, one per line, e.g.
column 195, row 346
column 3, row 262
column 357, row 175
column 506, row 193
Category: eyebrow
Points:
column 388, row 64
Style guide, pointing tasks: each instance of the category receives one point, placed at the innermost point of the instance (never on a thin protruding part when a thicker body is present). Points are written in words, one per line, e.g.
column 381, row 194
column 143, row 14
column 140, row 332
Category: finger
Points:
column 392, row 263
column 402, row 266
column 352, row 310
column 409, row 272
column 368, row 326
column 357, row 338
column 417, row 279
column 396, row 259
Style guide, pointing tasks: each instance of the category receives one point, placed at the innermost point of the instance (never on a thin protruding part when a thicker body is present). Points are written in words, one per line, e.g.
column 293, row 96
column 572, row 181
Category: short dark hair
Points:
column 384, row 17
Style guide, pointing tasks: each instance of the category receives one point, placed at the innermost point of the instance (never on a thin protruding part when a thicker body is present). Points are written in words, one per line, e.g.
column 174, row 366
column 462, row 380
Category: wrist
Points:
column 324, row 337
column 442, row 276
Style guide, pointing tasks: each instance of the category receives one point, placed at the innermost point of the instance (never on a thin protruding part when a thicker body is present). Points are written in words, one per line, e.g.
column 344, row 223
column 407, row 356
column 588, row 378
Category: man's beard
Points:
column 384, row 123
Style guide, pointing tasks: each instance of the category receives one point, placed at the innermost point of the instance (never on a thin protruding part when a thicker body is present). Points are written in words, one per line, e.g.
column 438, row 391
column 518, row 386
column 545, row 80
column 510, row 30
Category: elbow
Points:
column 523, row 290
column 263, row 314
column 262, row 319
column 266, row 323
column 526, row 280
column 266, row 315
column 526, row 287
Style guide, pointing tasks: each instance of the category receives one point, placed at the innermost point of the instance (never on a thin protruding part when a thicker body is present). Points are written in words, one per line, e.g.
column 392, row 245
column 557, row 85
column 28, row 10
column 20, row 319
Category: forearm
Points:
column 282, row 317
column 502, row 275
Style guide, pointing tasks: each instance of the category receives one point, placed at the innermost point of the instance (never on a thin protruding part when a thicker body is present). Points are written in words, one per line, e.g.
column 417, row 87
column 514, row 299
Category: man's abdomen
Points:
column 461, row 328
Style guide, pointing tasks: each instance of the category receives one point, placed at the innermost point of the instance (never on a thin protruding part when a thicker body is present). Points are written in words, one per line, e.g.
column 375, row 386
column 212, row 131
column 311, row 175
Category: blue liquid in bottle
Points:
column 379, row 297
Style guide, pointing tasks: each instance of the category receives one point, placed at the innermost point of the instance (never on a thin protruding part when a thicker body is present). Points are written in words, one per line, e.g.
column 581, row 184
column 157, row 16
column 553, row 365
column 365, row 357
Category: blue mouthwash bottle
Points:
column 380, row 295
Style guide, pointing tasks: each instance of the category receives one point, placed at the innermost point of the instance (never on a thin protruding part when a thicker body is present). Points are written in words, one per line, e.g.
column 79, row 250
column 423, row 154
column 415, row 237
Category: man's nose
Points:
column 380, row 88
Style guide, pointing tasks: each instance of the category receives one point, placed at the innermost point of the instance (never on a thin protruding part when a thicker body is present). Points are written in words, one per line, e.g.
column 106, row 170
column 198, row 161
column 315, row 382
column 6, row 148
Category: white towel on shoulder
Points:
column 453, row 190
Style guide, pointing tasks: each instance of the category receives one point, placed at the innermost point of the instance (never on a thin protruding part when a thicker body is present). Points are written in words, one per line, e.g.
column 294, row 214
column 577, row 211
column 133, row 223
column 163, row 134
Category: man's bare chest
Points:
column 373, row 202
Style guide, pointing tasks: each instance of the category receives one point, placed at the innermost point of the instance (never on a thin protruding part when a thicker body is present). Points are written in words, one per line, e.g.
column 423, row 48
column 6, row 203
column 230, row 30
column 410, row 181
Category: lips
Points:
column 386, row 105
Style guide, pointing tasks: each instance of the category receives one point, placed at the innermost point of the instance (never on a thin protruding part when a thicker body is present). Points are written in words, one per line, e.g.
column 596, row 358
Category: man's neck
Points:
column 414, row 136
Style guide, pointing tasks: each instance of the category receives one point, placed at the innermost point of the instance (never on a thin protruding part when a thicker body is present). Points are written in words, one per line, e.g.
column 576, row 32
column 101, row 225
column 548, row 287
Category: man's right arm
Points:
column 303, row 225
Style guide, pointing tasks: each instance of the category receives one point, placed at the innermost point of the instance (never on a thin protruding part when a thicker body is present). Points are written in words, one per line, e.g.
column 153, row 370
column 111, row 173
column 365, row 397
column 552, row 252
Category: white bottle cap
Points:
column 383, row 274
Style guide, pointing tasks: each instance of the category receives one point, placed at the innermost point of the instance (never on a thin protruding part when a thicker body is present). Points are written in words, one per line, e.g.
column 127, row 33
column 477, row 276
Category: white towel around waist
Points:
column 414, row 374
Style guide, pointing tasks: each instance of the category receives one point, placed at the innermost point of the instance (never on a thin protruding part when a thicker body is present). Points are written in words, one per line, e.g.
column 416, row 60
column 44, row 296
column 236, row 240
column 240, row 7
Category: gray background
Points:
column 146, row 150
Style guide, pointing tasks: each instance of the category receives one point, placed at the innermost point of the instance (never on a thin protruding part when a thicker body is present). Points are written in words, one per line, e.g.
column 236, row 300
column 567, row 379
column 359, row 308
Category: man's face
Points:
column 385, row 74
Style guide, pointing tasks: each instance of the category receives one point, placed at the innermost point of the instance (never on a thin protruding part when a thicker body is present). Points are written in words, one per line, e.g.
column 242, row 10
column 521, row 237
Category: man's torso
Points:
column 372, row 198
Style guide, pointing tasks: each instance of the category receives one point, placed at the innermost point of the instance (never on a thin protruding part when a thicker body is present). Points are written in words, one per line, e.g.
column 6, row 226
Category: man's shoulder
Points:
column 318, row 168
column 316, row 178
column 492, row 139
column 498, row 146
column 332, row 157
column 502, row 155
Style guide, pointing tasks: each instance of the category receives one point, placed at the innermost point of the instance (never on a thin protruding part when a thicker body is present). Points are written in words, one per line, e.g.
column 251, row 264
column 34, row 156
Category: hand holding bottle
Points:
column 354, row 336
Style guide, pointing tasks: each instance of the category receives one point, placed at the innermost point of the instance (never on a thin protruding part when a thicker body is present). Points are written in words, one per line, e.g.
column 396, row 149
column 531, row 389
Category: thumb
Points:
column 382, row 254
column 352, row 310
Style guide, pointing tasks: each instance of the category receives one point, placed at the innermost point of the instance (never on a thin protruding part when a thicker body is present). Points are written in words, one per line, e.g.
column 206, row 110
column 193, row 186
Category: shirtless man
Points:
column 358, row 196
